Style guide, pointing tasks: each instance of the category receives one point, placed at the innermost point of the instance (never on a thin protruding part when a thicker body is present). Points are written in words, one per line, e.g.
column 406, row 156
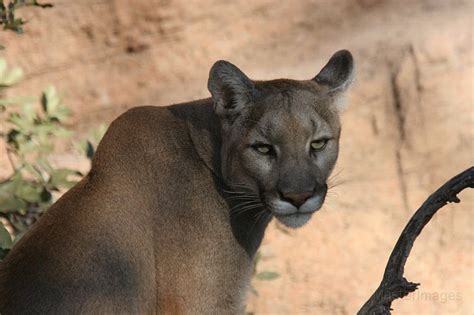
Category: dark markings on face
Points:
column 287, row 117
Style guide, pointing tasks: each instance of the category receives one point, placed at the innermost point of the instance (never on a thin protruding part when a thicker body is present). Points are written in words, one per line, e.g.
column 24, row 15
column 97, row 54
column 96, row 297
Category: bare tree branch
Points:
column 394, row 285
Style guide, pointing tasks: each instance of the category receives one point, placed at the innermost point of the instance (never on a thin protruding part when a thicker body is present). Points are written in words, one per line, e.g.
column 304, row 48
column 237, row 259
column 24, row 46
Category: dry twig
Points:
column 394, row 285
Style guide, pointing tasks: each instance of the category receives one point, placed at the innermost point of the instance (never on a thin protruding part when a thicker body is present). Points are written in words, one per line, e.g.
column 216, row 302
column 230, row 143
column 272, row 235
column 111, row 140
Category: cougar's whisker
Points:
column 243, row 204
column 258, row 216
column 243, row 197
column 244, row 208
column 234, row 192
column 247, row 208
column 335, row 180
column 241, row 186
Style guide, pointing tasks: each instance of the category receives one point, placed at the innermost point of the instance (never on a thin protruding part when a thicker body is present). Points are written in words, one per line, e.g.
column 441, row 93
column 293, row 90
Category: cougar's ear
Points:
column 337, row 74
column 230, row 88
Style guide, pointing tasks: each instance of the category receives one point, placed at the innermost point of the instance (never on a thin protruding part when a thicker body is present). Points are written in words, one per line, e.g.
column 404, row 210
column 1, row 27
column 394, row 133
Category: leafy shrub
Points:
column 29, row 137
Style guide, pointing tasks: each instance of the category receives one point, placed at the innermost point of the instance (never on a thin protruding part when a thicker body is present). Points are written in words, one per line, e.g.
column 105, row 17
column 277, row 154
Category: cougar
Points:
column 177, row 200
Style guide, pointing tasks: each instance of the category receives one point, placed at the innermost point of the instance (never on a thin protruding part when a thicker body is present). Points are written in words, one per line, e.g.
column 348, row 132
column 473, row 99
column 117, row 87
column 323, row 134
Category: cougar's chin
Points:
column 294, row 220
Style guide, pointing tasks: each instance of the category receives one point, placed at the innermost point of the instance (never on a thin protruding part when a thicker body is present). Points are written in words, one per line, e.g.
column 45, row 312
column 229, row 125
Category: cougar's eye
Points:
column 318, row 145
column 264, row 149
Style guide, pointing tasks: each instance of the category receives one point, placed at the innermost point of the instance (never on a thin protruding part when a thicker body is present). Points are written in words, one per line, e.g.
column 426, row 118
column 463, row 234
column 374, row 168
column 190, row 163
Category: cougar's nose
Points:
column 297, row 198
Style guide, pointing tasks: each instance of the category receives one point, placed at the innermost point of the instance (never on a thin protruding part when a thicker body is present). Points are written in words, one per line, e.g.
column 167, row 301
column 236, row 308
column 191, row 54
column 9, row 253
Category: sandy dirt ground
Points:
column 408, row 128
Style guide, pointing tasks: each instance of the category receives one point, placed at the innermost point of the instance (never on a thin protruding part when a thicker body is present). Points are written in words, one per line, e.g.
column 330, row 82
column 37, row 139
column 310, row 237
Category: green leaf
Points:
column 14, row 139
column 28, row 192
column 60, row 114
column 5, row 238
column 33, row 170
column 89, row 150
column 3, row 66
column 12, row 204
column 12, row 77
column 267, row 275
column 3, row 253
column 98, row 133
column 9, row 77
column 28, row 112
column 59, row 178
column 8, row 201
column 52, row 105
column 20, row 122
column 62, row 132
column 50, row 100
column 44, row 164
column 7, row 189
column 46, row 197
column 44, row 103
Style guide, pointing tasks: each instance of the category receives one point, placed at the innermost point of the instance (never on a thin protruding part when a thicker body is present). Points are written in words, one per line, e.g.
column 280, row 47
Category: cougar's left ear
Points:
column 337, row 74
column 230, row 88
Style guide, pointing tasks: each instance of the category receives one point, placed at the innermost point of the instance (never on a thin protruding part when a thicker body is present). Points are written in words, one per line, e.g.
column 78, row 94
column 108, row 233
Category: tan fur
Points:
column 150, row 229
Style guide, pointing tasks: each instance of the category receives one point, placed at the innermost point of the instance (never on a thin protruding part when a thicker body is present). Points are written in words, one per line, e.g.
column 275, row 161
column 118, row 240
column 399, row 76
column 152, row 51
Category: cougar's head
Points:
column 280, row 138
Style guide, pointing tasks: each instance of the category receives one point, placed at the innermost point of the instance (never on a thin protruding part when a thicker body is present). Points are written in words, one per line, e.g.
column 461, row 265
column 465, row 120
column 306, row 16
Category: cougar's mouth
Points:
column 292, row 216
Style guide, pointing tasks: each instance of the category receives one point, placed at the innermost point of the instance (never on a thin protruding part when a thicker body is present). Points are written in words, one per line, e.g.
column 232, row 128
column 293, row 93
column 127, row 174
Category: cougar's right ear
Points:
column 230, row 88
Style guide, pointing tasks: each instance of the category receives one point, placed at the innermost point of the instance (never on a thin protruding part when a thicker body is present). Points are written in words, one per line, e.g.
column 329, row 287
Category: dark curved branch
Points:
column 394, row 285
